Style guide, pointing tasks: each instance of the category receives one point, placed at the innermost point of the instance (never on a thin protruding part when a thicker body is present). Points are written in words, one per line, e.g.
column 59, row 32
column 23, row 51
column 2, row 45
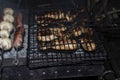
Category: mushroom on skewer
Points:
column 4, row 34
column 8, row 18
column 6, row 26
column 9, row 11
column 5, row 43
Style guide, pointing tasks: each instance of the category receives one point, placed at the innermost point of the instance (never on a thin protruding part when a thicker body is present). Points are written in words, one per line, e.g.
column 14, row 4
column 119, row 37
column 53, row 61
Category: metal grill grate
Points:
column 37, row 57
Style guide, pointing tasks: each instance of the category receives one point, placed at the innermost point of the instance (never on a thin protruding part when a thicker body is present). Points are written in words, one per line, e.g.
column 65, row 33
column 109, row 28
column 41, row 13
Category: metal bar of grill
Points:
column 50, row 57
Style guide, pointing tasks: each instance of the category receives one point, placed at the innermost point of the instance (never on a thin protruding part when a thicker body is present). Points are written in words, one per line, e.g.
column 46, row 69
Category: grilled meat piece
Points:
column 46, row 38
column 58, row 29
column 45, row 35
column 65, row 44
column 4, row 34
column 18, row 37
column 19, row 20
column 19, row 33
column 88, row 44
column 87, row 30
column 78, row 31
column 58, row 16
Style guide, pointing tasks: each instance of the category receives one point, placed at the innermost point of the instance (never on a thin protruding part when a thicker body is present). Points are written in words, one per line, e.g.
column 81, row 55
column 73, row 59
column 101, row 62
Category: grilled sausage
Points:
column 18, row 37
column 19, row 33
column 18, row 20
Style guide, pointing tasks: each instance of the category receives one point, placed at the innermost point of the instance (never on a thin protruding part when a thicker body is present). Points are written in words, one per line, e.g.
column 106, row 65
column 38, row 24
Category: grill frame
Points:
column 84, row 59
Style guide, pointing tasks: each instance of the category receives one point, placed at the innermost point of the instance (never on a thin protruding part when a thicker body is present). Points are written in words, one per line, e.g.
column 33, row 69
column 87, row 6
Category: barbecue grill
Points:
column 42, row 57
column 37, row 58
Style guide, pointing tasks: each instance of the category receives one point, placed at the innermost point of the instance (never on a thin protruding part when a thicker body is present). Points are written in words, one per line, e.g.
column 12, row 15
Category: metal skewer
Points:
column 16, row 60
column 1, row 62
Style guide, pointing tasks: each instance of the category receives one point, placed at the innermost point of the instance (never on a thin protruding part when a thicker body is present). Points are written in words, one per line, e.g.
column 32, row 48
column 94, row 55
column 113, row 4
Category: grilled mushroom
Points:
column 8, row 18
column 9, row 11
column 6, row 26
column 5, row 43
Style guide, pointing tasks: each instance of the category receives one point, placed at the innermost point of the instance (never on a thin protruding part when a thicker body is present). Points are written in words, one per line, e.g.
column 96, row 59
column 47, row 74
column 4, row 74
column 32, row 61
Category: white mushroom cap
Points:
column 5, row 43
column 9, row 11
column 4, row 34
column 8, row 18
column 6, row 26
